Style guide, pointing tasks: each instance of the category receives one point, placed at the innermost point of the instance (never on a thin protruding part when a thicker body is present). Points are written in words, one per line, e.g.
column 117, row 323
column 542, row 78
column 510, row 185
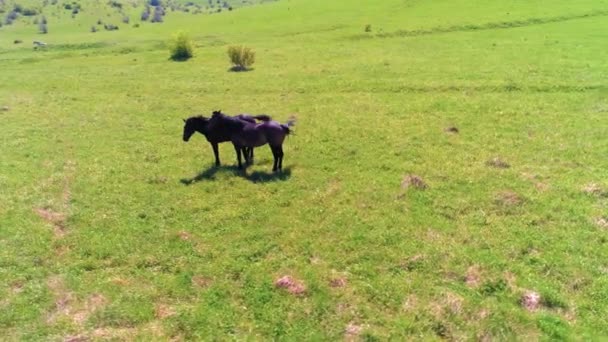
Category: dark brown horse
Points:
column 218, row 134
column 245, row 134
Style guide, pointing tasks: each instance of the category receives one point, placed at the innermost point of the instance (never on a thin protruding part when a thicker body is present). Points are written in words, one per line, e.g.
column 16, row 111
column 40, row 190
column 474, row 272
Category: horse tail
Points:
column 287, row 126
column 262, row 117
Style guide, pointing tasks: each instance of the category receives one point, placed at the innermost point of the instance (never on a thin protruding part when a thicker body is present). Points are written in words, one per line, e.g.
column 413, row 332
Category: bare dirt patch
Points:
column 498, row 163
column 292, row 285
column 163, row 311
column 595, row 189
column 451, row 129
column 201, row 282
column 602, row 222
column 338, row 282
column 508, row 198
column 184, row 235
column 413, row 181
column 531, row 300
column 67, row 305
column 63, row 298
column 412, row 262
column 57, row 220
column 352, row 330
column 473, row 276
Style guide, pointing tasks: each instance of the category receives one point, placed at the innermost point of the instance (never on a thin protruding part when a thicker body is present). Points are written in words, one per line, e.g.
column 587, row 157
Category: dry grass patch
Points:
column 508, row 198
column 602, row 222
column 498, row 163
column 413, row 181
column 473, row 276
column 595, row 189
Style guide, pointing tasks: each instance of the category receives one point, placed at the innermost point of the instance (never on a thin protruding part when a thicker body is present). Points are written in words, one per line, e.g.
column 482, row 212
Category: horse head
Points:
column 194, row 124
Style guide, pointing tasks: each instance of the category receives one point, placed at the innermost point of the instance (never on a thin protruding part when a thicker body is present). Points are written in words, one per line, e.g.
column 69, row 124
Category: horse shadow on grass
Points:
column 254, row 177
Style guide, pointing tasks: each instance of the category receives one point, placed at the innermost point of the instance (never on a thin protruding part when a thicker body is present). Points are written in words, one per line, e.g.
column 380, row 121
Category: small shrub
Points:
column 17, row 41
column 10, row 17
column 125, row 19
column 29, row 12
column 158, row 15
column 368, row 28
column 93, row 29
column 110, row 27
column 180, row 47
column 42, row 28
column 241, row 57
column 145, row 15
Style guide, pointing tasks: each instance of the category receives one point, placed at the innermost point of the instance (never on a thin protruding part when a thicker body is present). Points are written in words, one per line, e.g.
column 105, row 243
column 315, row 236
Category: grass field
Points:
column 111, row 227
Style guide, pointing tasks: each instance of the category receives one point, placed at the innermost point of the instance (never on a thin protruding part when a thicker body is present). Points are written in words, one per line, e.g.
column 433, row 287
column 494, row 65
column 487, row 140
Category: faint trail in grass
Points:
column 506, row 88
column 482, row 27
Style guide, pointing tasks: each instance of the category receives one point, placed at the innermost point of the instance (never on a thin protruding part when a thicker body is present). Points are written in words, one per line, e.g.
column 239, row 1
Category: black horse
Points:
column 246, row 134
column 219, row 134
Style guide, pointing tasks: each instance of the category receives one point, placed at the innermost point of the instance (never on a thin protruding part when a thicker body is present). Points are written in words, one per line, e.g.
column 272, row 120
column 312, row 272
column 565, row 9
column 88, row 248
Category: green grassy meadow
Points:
column 113, row 228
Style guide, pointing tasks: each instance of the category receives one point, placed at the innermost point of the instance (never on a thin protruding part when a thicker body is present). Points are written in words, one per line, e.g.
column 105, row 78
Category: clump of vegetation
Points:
column 93, row 29
column 368, row 28
column 145, row 15
column 10, row 17
column 241, row 58
column 110, row 27
column 125, row 19
column 159, row 12
column 180, row 47
column 42, row 28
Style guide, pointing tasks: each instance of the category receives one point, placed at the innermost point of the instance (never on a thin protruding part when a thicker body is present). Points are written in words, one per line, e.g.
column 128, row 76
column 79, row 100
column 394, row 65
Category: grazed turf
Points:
column 112, row 227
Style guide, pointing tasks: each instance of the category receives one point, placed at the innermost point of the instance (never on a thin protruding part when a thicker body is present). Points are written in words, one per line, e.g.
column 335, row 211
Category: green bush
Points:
column 181, row 47
column 241, row 57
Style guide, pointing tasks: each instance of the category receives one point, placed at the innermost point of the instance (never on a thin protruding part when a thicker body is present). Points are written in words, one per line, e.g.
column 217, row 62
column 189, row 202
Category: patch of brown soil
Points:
column 184, row 235
column 293, row 286
column 451, row 129
column 602, row 222
column 413, row 181
column 338, row 282
column 508, row 198
column 66, row 303
column 473, row 276
column 498, row 163
column 595, row 190
column 351, row 331
column 200, row 281
column 57, row 220
column 163, row 311
column 531, row 300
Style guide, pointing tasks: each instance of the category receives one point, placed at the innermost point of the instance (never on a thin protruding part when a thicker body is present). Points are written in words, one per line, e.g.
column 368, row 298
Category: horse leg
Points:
column 275, row 155
column 248, row 152
column 216, row 153
column 280, row 153
column 238, row 155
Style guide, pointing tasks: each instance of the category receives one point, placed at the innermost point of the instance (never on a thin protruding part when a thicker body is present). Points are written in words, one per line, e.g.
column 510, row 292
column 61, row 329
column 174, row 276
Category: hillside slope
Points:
column 113, row 227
